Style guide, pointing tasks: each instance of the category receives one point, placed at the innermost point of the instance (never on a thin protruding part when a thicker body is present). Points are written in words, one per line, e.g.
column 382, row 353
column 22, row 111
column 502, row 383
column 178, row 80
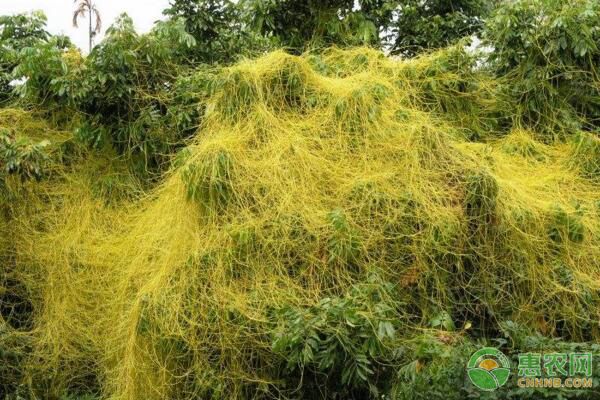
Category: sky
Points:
column 60, row 14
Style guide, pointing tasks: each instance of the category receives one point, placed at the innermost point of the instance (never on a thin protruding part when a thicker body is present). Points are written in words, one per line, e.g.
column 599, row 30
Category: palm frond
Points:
column 78, row 13
column 98, row 27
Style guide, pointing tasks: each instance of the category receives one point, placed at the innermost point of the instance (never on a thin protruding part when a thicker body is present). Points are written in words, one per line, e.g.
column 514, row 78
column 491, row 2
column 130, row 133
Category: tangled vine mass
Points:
column 336, row 221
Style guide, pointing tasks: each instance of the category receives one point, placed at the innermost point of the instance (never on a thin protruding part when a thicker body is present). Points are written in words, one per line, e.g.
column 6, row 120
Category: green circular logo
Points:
column 488, row 369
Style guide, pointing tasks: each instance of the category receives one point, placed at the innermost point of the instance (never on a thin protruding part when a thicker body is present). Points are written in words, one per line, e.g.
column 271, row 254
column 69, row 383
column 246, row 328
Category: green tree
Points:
column 123, row 90
column 16, row 33
column 222, row 27
column 126, row 84
column 419, row 25
column 298, row 23
column 218, row 28
column 23, row 30
column 549, row 51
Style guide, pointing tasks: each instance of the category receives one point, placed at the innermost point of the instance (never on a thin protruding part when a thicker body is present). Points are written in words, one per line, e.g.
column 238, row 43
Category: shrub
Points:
column 549, row 51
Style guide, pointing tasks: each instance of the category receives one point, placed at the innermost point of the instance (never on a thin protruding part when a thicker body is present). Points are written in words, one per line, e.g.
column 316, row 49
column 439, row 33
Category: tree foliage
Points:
column 124, row 88
column 217, row 27
column 23, row 30
column 417, row 25
column 342, row 342
column 121, row 89
column 16, row 33
column 297, row 24
column 403, row 27
column 20, row 157
column 550, row 50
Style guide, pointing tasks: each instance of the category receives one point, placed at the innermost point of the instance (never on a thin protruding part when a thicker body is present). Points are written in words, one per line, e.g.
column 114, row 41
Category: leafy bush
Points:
column 419, row 25
column 405, row 27
column 549, row 51
column 434, row 369
column 21, row 157
column 341, row 345
column 296, row 24
column 17, row 32
column 121, row 87
column 217, row 26
column 51, row 81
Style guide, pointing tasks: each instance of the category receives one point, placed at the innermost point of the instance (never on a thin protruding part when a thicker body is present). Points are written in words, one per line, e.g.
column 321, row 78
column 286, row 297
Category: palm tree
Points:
column 88, row 7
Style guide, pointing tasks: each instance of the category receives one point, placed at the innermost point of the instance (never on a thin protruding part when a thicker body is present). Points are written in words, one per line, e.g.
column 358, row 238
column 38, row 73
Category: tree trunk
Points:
column 90, row 28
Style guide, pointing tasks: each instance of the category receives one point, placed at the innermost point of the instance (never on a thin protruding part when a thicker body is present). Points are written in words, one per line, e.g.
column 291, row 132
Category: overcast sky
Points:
column 60, row 14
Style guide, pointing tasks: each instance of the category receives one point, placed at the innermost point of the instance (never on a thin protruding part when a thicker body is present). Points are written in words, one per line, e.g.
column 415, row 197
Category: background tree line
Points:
column 138, row 93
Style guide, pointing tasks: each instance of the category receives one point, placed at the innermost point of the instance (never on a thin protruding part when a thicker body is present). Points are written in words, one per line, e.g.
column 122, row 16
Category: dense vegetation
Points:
column 299, row 199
